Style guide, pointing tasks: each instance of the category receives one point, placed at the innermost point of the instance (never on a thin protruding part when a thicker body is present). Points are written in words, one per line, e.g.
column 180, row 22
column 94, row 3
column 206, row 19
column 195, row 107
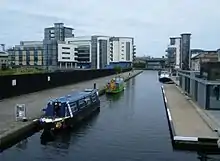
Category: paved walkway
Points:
column 212, row 117
column 186, row 120
column 36, row 101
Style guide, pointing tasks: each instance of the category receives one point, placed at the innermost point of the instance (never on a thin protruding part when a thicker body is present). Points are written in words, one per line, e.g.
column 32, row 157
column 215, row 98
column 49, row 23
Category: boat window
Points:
column 93, row 97
column 82, row 103
column 73, row 106
column 87, row 100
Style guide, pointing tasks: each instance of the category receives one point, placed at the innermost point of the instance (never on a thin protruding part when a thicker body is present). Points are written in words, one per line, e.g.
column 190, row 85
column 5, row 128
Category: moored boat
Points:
column 165, row 77
column 116, row 85
column 66, row 111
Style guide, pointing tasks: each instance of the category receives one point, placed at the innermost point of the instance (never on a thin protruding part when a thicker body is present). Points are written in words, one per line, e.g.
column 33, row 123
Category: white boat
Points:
column 165, row 77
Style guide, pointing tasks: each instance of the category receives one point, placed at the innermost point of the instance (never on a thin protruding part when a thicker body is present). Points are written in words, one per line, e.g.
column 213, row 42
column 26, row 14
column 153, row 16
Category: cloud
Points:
column 150, row 22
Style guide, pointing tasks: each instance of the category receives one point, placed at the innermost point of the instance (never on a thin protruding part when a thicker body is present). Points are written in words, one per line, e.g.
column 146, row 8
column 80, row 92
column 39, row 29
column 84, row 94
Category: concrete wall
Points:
column 202, row 95
column 198, row 90
column 214, row 102
column 192, row 88
column 14, row 85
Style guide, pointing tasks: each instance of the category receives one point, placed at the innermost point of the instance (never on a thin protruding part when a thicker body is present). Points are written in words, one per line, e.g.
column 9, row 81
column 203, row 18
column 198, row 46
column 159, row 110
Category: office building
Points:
column 50, row 43
column 28, row 53
column 121, row 51
column 67, row 55
column 83, row 44
column 92, row 51
column 3, row 59
column 100, row 50
column 185, row 51
column 134, row 52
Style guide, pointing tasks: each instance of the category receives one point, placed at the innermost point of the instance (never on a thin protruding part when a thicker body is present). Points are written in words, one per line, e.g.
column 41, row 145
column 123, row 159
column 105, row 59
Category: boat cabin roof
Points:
column 74, row 96
column 117, row 79
column 165, row 72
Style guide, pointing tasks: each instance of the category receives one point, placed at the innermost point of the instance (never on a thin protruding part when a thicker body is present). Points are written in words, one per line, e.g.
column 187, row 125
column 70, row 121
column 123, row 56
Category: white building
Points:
column 67, row 55
column 93, row 51
column 174, row 45
column 121, row 50
column 83, row 45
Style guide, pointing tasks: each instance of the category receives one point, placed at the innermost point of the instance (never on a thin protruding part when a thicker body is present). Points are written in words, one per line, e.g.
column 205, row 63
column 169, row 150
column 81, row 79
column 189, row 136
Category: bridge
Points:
column 152, row 63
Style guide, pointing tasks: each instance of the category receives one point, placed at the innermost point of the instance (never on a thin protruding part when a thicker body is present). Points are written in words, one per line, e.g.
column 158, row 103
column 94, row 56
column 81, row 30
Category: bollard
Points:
column 94, row 86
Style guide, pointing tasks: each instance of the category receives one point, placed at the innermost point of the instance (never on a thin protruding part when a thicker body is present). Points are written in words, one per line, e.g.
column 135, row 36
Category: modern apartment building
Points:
column 3, row 59
column 121, row 51
column 28, row 53
column 61, row 49
column 100, row 52
column 67, row 55
column 83, row 44
column 173, row 52
column 92, row 51
column 52, row 36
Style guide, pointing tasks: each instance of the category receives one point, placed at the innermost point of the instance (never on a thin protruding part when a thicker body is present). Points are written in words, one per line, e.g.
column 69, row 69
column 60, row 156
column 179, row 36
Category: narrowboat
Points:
column 66, row 111
column 165, row 77
column 116, row 85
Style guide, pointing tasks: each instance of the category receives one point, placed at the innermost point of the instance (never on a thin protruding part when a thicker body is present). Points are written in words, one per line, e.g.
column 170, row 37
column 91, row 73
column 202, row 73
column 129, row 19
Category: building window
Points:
column 65, row 52
column 172, row 41
column 65, row 57
column 65, row 48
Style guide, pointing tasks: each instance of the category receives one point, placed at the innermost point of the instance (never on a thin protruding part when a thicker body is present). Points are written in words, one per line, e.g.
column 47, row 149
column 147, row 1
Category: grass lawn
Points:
column 20, row 71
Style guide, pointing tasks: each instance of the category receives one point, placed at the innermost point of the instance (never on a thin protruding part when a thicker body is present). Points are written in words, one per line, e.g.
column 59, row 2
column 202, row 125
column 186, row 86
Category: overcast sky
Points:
column 150, row 22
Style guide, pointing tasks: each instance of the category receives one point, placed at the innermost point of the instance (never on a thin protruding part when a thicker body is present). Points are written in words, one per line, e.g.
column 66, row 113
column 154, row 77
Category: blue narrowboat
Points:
column 66, row 111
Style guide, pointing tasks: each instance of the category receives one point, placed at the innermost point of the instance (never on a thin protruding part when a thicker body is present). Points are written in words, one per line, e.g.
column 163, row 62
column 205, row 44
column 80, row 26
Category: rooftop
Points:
column 74, row 96
column 3, row 54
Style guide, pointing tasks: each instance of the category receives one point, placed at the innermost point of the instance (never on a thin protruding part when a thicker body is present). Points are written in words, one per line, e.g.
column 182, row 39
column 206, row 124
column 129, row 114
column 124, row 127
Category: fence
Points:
column 14, row 85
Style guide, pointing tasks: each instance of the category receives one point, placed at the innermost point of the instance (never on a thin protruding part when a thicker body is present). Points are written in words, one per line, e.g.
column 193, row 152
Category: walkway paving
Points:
column 36, row 101
column 186, row 120
column 211, row 117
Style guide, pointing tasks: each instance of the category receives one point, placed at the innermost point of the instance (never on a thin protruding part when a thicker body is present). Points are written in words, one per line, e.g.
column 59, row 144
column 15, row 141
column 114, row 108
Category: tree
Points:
column 118, row 69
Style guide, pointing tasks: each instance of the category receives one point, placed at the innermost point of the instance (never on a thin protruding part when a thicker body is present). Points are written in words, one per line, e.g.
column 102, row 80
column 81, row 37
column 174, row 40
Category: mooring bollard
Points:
column 94, row 86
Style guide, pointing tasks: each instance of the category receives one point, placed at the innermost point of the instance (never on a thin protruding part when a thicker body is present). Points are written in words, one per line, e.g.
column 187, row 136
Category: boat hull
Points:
column 71, row 121
column 118, row 90
column 166, row 80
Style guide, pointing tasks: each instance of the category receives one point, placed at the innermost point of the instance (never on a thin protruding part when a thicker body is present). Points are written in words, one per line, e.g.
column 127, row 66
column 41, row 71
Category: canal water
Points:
column 131, row 126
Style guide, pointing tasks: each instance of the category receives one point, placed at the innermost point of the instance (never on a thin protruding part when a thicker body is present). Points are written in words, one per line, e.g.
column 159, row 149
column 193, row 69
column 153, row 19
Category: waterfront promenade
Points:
column 190, row 124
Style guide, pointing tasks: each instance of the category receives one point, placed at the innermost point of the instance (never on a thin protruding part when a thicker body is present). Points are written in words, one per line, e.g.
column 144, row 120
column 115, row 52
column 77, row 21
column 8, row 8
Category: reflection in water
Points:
column 206, row 156
column 62, row 139
column 114, row 97
column 22, row 144
column 134, row 130
column 132, row 81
